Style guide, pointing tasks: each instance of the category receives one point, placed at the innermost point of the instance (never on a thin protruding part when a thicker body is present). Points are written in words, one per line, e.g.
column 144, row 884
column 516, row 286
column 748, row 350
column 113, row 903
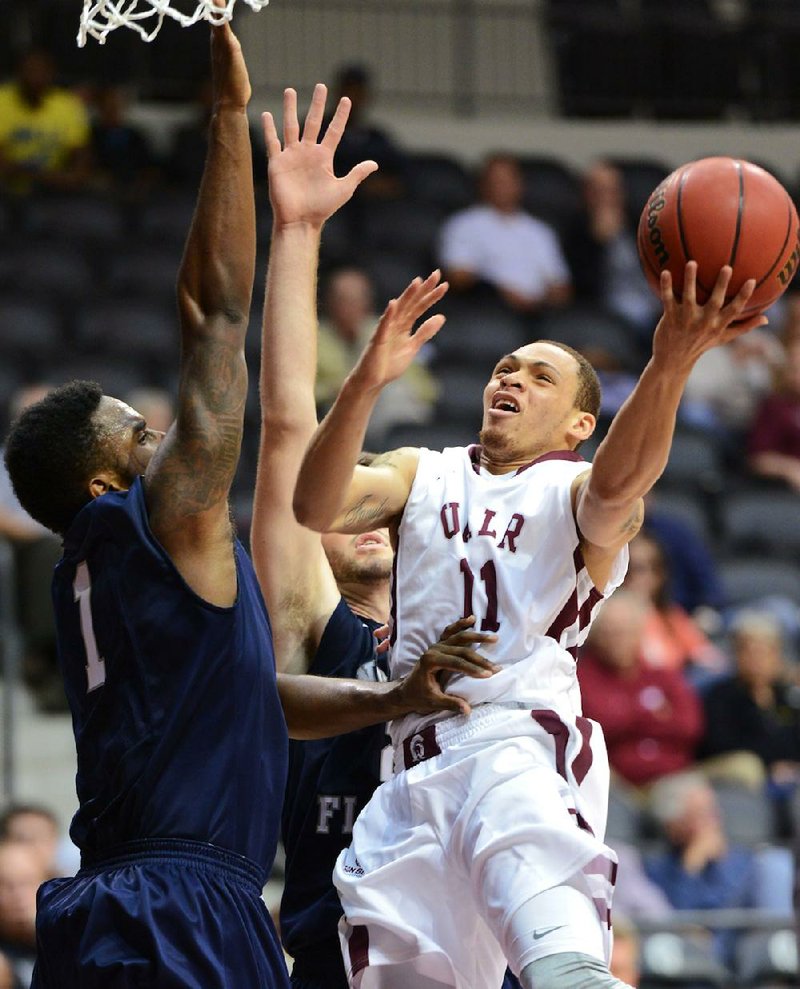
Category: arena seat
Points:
column 166, row 220
column 640, row 176
column 680, row 961
column 47, row 270
column 747, row 578
column 762, row 520
column 31, row 331
column 389, row 273
column 71, row 219
column 749, row 818
column 460, row 397
column 401, row 226
column 695, row 463
column 767, row 956
column 591, row 329
column 116, row 379
column 685, row 506
column 479, row 338
column 440, row 181
column 145, row 333
column 552, row 190
column 144, row 273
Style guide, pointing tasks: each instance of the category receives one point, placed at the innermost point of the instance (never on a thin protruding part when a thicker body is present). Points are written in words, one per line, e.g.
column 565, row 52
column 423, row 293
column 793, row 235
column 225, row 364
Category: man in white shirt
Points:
column 496, row 241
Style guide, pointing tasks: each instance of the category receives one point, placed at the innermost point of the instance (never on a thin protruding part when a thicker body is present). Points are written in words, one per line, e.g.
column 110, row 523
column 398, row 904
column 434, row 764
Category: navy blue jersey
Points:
column 330, row 780
column 178, row 725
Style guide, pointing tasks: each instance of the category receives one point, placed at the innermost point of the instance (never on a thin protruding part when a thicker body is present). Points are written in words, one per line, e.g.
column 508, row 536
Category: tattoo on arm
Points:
column 634, row 520
column 389, row 459
column 363, row 511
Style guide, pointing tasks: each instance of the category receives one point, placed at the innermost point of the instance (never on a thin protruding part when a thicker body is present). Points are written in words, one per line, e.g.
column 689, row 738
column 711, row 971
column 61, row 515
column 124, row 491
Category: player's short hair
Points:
column 589, row 394
column 51, row 451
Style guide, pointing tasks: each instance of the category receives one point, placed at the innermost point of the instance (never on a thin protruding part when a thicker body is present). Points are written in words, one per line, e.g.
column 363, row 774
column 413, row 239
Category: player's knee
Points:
column 569, row 970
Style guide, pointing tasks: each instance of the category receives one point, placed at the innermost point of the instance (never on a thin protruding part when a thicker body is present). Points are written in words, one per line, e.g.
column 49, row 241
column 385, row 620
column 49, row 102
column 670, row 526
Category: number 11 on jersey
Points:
column 95, row 665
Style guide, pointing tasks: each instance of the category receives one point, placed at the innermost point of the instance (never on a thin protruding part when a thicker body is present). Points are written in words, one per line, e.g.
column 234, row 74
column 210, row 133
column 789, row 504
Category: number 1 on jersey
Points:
column 488, row 575
column 95, row 665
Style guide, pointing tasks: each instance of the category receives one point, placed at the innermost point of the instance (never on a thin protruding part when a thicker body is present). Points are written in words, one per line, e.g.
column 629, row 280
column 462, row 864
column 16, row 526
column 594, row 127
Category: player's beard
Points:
column 498, row 442
column 354, row 570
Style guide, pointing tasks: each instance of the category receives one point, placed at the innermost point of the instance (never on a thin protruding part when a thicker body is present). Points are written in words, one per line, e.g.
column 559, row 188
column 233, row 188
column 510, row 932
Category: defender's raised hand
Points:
column 394, row 344
column 302, row 186
column 230, row 81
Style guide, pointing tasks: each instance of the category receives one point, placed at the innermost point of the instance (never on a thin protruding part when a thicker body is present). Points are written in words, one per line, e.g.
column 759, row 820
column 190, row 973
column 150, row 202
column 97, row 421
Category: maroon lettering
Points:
column 466, row 535
column 513, row 530
column 488, row 515
column 469, row 582
column 450, row 521
column 489, row 578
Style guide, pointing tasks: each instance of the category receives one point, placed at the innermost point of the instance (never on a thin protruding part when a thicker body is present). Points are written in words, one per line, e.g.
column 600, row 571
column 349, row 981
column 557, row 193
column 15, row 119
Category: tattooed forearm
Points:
column 634, row 520
column 364, row 512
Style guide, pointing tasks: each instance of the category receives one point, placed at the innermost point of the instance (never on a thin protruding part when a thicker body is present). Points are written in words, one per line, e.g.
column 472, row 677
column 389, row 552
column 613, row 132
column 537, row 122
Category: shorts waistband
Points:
column 178, row 850
column 429, row 741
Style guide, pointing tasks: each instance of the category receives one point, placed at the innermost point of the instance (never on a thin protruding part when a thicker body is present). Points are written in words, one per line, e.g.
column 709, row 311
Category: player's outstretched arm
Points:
column 332, row 493
column 634, row 453
column 189, row 477
column 318, row 707
column 292, row 568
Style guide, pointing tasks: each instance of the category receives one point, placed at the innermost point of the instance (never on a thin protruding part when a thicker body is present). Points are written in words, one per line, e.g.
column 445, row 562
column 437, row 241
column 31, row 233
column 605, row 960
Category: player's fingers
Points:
column 358, row 173
column 457, row 626
column 470, row 638
column 337, row 125
column 720, row 289
column 316, row 111
column 667, row 293
column 689, row 293
column 381, row 633
column 270, row 135
column 738, row 303
column 291, row 128
column 430, row 299
column 429, row 329
column 458, row 659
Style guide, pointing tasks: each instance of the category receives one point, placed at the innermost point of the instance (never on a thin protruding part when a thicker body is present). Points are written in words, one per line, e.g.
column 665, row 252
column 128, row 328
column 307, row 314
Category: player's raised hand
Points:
column 688, row 328
column 302, row 185
column 453, row 653
column 395, row 343
column 231, row 83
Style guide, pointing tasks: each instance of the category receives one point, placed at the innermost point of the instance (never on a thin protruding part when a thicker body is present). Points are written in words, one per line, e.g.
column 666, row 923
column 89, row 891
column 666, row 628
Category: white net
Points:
column 99, row 17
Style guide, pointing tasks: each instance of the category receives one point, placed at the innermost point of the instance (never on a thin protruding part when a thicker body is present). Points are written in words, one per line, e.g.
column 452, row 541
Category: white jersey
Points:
column 506, row 549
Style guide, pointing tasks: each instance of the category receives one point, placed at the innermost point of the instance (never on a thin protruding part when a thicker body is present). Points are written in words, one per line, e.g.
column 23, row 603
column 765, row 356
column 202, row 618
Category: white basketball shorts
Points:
column 448, row 855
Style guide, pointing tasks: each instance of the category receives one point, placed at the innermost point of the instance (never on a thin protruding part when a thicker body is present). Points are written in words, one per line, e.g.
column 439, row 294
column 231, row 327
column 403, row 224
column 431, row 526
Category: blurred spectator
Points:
column 635, row 894
column 728, row 382
column 700, row 870
column 774, row 440
column 693, row 579
column 651, row 717
column 21, row 874
column 44, row 130
column 757, row 710
column 36, row 552
column 363, row 141
column 671, row 639
column 155, row 405
column 348, row 319
column 37, row 827
column 624, row 963
column 7, row 978
column 600, row 247
column 496, row 243
column 121, row 155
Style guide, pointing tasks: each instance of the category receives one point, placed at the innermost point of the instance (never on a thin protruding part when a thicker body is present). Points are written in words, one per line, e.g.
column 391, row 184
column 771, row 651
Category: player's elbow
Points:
column 307, row 512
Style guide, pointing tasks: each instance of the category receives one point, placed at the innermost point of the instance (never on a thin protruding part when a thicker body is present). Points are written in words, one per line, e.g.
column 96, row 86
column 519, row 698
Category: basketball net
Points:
column 99, row 17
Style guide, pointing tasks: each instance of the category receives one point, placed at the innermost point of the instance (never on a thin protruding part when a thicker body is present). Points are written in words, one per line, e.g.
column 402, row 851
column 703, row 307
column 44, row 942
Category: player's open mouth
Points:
column 504, row 404
column 370, row 540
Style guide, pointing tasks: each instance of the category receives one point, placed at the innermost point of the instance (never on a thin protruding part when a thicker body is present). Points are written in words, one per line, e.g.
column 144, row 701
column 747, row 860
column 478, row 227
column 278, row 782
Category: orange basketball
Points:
column 719, row 211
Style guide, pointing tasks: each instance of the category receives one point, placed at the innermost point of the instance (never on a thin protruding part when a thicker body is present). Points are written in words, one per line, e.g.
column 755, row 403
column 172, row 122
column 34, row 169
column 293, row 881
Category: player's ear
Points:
column 582, row 426
column 103, row 482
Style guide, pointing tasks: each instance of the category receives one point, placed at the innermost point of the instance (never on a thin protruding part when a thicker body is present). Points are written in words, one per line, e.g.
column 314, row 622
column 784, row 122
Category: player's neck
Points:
column 368, row 600
column 496, row 462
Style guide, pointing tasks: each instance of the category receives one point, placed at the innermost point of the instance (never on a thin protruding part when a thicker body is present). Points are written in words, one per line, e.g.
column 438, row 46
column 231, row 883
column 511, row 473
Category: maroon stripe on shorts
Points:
column 583, row 824
column 358, row 946
column 554, row 726
column 582, row 762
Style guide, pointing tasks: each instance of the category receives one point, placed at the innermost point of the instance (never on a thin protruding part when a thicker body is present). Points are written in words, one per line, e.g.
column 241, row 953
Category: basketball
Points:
column 719, row 211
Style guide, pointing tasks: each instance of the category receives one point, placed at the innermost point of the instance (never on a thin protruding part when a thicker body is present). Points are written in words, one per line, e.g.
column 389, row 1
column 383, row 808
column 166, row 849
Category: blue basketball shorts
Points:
column 161, row 914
